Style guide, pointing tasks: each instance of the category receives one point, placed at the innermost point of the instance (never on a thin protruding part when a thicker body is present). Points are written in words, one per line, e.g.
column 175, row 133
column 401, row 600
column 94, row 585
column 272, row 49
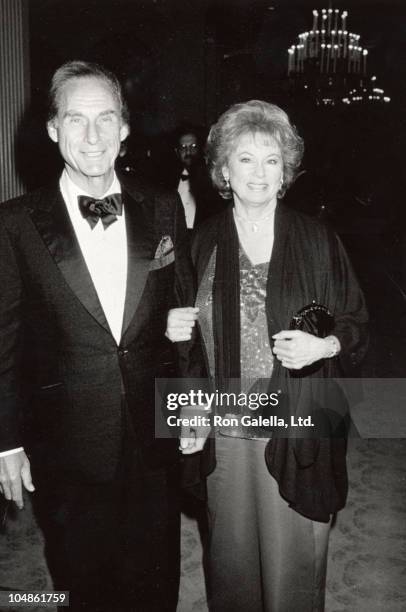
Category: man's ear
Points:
column 52, row 130
column 124, row 131
column 225, row 173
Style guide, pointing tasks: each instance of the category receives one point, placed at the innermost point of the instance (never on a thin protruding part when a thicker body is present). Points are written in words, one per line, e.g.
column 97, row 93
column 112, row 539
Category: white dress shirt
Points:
column 104, row 251
column 188, row 201
column 105, row 254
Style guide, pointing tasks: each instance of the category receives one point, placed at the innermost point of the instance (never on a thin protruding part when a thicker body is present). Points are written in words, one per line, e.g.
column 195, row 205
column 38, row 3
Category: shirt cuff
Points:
column 12, row 451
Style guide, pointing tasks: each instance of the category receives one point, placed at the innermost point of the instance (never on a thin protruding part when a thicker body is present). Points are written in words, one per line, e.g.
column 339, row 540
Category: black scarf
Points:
column 226, row 301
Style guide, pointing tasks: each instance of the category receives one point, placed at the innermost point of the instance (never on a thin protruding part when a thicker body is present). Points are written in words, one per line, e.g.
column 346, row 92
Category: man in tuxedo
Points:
column 191, row 179
column 89, row 268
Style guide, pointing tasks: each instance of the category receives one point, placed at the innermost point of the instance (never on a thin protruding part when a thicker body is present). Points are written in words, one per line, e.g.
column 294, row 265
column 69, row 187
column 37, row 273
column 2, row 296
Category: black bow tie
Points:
column 184, row 177
column 106, row 209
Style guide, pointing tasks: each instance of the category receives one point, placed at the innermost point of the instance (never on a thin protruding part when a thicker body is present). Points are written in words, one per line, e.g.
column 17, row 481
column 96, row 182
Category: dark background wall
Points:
column 171, row 52
column 185, row 60
column 156, row 47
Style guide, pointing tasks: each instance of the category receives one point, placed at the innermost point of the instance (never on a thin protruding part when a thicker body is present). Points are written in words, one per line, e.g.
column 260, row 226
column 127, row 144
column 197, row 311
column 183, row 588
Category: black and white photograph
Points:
column 202, row 305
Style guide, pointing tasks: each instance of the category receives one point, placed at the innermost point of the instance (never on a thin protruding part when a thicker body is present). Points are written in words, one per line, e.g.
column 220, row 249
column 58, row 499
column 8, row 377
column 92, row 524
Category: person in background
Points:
column 271, row 496
column 189, row 176
column 89, row 268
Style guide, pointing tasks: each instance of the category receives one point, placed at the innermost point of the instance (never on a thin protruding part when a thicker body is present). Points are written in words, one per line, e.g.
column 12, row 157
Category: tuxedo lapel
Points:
column 52, row 221
column 139, row 226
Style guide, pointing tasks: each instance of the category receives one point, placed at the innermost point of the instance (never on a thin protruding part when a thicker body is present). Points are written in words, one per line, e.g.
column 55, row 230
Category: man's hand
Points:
column 193, row 437
column 296, row 349
column 180, row 323
column 14, row 472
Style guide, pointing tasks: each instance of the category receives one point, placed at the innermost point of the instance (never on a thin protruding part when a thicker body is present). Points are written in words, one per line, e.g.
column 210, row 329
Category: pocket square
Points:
column 161, row 262
column 164, row 247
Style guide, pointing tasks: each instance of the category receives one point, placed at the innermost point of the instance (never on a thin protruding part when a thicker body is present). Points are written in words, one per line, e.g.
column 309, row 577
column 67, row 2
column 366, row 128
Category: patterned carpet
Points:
column 367, row 566
column 367, row 560
column 367, row 555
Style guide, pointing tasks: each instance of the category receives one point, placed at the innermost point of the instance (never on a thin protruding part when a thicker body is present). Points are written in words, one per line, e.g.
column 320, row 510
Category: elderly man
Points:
column 89, row 268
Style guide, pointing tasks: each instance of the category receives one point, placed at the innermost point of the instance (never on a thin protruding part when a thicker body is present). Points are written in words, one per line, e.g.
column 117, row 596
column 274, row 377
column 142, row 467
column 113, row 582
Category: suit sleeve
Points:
column 190, row 355
column 185, row 287
column 10, row 344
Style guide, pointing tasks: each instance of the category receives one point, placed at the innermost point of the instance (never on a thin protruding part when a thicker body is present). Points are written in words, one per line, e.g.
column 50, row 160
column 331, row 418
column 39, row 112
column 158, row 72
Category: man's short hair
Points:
column 78, row 69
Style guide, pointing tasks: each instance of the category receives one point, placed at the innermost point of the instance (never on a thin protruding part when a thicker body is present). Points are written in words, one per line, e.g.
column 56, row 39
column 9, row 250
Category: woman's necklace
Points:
column 254, row 225
column 257, row 243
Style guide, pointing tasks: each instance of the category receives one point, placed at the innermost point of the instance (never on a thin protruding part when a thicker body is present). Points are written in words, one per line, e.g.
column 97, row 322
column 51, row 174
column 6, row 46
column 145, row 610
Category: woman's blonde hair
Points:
column 253, row 117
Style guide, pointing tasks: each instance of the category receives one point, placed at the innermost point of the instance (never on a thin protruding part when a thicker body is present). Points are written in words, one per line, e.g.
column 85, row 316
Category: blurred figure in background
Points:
column 189, row 176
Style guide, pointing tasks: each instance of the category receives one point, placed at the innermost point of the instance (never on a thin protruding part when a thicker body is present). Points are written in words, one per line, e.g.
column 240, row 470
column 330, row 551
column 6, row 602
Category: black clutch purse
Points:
column 314, row 319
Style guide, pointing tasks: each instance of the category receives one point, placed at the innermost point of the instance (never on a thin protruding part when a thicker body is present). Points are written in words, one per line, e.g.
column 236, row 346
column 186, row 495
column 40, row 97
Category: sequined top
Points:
column 256, row 354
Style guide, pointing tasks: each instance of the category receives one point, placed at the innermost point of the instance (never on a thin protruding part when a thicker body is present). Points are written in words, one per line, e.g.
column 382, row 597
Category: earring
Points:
column 280, row 190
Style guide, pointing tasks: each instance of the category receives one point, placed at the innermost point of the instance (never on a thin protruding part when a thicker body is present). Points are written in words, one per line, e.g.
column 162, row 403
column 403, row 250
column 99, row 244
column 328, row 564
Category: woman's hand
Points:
column 180, row 323
column 296, row 349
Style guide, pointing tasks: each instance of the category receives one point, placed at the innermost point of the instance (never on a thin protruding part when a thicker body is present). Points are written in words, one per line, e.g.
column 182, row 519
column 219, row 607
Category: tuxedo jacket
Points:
column 67, row 391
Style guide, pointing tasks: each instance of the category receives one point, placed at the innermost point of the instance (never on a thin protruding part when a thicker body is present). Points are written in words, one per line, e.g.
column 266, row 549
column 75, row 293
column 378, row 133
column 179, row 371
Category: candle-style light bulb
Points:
column 365, row 53
column 349, row 58
column 315, row 18
column 345, row 43
column 336, row 19
column 344, row 19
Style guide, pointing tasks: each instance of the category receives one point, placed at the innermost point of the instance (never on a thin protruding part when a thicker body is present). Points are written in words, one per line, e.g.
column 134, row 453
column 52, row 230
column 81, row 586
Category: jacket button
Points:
column 122, row 352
